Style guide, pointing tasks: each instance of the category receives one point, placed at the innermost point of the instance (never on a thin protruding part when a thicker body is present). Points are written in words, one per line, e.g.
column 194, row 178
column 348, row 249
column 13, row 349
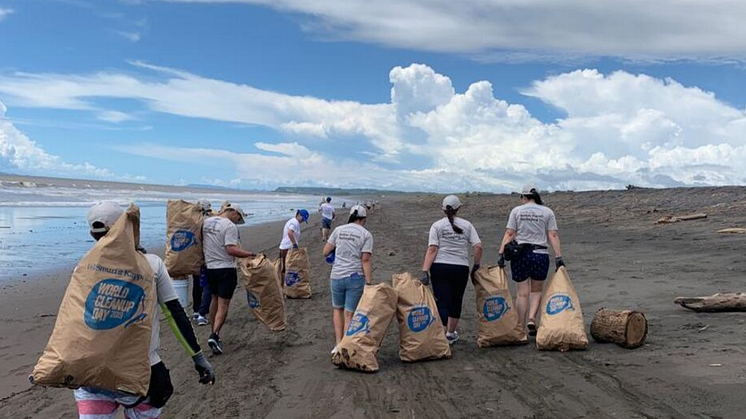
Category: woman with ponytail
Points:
column 447, row 263
column 531, row 228
column 352, row 268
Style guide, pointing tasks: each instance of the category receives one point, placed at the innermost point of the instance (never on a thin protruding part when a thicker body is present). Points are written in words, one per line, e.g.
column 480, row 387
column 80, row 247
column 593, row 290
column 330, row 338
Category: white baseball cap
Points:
column 205, row 204
column 103, row 215
column 360, row 211
column 526, row 190
column 238, row 209
column 451, row 201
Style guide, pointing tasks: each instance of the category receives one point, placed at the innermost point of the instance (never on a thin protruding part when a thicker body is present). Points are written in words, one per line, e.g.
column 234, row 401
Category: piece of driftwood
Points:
column 735, row 230
column 675, row 219
column 720, row 302
column 626, row 328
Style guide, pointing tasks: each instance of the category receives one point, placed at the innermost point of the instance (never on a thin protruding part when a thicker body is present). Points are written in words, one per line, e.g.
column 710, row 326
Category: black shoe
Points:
column 531, row 328
column 214, row 343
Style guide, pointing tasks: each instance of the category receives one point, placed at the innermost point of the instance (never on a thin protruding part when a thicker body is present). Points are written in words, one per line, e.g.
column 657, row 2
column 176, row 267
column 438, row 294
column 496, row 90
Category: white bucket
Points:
column 181, row 286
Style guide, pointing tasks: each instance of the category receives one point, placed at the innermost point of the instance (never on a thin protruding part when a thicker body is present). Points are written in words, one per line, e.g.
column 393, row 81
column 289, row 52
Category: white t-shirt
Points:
column 453, row 248
column 165, row 291
column 292, row 224
column 350, row 241
column 531, row 223
column 327, row 210
column 218, row 232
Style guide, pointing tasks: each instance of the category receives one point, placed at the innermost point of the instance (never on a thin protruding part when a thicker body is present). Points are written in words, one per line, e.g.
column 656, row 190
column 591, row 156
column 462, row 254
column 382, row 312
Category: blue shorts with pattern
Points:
column 530, row 265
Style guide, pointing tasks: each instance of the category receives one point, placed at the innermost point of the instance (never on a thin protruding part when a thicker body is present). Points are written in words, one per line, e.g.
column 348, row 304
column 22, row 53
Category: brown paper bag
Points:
column 102, row 334
column 421, row 332
column 184, row 238
column 297, row 274
column 561, row 325
column 277, row 264
column 263, row 292
column 498, row 319
column 359, row 347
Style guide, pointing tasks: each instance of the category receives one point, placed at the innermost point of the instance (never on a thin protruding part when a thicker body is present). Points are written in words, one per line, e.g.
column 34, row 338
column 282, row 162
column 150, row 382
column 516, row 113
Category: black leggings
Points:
column 449, row 284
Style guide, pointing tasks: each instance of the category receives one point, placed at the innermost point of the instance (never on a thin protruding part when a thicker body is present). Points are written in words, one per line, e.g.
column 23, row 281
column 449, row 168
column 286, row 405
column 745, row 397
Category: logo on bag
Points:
column 182, row 239
column 358, row 324
column 494, row 308
column 112, row 303
column 419, row 319
column 253, row 301
column 291, row 278
column 559, row 303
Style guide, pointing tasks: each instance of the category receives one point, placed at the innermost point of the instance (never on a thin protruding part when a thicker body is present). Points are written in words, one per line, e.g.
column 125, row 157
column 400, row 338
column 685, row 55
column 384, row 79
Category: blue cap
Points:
column 304, row 213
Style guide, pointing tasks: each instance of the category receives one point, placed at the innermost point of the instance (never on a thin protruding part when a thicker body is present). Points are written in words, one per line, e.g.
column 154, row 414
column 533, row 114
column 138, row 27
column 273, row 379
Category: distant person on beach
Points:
column 96, row 403
column 352, row 269
column 221, row 245
column 531, row 228
column 291, row 235
column 446, row 263
column 201, row 295
column 327, row 216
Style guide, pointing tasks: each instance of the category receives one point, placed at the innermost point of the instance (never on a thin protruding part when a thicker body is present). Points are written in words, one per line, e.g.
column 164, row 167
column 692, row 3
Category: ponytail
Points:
column 354, row 217
column 450, row 213
column 534, row 195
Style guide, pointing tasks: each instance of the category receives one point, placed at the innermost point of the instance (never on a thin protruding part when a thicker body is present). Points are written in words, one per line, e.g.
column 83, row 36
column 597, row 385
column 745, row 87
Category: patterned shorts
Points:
column 530, row 265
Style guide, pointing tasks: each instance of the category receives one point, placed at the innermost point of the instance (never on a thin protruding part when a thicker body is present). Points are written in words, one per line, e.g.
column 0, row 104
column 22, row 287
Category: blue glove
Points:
column 295, row 246
column 331, row 256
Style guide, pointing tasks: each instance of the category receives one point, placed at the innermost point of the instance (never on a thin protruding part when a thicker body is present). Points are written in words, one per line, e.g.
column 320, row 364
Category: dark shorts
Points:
column 222, row 282
column 530, row 265
column 326, row 223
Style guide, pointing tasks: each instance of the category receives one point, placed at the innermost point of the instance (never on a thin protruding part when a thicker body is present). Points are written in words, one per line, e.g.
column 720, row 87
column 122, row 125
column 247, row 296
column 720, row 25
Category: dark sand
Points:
column 615, row 254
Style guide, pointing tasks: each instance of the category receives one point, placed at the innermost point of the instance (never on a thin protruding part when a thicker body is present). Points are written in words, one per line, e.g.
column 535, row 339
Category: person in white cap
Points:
column 221, row 245
column 201, row 295
column 447, row 263
column 352, row 269
column 96, row 403
column 531, row 228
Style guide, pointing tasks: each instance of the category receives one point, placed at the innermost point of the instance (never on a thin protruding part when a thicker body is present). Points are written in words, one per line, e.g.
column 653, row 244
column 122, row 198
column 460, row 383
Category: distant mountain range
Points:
column 338, row 191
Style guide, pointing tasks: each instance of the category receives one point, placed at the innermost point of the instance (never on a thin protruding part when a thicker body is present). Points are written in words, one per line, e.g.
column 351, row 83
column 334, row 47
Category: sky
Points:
column 474, row 95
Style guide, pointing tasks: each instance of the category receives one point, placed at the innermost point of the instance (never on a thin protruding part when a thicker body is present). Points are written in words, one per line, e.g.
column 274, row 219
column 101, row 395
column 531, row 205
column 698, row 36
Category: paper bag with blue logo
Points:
column 297, row 274
column 421, row 332
column 561, row 325
column 102, row 334
column 184, row 238
column 359, row 347
column 498, row 319
column 263, row 291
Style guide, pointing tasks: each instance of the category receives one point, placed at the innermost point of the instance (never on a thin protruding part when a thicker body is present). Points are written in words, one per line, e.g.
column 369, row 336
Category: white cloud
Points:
column 130, row 36
column 510, row 30
column 618, row 128
column 5, row 12
column 114, row 116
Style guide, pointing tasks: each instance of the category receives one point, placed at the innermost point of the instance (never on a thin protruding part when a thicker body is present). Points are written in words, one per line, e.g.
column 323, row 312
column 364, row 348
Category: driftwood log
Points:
column 626, row 328
column 720, row 302
column 675, row 219
column 735, row 230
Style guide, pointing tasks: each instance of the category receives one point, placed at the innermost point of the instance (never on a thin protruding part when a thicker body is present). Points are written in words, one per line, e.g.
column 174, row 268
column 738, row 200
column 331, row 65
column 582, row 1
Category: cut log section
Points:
column 720, row 302
column 675, row 219
column 626, row 328
column 735, row 230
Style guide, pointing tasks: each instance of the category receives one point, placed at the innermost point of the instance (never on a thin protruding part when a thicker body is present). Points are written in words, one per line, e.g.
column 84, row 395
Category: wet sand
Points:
column 616, row 257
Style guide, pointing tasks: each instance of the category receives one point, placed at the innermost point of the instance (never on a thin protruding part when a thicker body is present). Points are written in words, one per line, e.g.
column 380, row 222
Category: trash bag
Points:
column 359, row 347
column 184, row 254
column 421, row 332
column 498, row 319
column 297, row 274
column 263, row 291
column 561, row 325
column 102, row 334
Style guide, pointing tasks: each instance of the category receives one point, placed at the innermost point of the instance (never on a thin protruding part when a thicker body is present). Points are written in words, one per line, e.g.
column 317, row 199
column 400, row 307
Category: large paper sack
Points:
column 562, row 326
column 102, row 334
column 184, row 238
column 498, row 319
column 297, row 274
column 359, row 347
column 421, row 332
column 263, row 292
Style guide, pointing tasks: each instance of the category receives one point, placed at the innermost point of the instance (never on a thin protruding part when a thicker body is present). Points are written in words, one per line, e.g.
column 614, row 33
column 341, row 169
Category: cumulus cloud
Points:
column 519, row 30
column 4, row 13
column 615, row 129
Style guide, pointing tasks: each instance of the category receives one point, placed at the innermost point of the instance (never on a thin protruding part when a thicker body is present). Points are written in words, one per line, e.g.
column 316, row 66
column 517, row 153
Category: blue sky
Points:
column 408, row 95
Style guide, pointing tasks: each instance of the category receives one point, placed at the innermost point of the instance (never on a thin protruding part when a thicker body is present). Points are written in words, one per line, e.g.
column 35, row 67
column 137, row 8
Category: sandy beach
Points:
column 692, row 365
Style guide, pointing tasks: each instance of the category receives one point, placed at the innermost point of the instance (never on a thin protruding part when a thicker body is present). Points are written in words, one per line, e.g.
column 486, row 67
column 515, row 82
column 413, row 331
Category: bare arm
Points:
column 291, row 236
column 367, row 267
column 328, row 248
column 507, row 238
column 237, row 252
column 432, row 252
column 478, row 254
column 554, row 240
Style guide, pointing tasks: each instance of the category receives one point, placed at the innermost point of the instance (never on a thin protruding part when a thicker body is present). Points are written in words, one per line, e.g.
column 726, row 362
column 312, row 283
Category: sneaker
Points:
column 214, row 343
column 202, row 321
column 531, row 326
column 195, row 316
column 452, row 337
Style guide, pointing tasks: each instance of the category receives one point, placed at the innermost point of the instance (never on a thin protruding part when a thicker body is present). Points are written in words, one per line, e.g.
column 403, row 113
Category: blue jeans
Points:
column 346, row 292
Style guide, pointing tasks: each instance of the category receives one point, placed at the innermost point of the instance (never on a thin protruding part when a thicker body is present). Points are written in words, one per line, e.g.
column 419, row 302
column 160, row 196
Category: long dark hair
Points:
column 535, row 196
column 451, row 213
column 354, row 217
